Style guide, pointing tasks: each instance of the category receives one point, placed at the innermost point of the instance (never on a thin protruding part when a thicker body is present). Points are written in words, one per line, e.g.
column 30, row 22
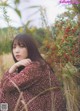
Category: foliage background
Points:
column 59, row 44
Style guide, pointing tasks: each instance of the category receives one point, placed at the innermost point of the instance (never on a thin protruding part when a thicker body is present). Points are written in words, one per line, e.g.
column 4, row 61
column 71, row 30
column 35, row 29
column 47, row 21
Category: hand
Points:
column 23, row 62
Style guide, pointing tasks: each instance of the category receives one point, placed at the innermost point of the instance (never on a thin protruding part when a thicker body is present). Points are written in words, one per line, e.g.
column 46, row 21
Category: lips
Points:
column 17, row 56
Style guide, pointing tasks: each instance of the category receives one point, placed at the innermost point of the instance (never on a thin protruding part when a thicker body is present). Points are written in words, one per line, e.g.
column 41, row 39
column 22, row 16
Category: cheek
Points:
column 25, row 53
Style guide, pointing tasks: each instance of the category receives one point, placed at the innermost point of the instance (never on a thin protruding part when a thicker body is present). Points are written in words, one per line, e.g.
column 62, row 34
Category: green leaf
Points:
column 34, row 7
column 17, row 1
column 28, row 23
column 4, row 4
column 18, row 12
column 69, row 70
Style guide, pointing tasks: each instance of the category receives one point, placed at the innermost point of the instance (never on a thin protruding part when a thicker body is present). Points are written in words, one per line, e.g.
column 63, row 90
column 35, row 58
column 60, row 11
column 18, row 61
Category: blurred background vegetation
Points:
column 59, row 44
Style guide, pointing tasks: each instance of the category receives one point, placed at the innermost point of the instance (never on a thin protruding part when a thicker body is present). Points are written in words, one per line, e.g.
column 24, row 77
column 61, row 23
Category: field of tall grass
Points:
column 6, row 61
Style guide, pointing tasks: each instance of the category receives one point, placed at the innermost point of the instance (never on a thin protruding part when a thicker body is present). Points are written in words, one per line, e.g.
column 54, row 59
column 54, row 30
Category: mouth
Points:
column 17, row 56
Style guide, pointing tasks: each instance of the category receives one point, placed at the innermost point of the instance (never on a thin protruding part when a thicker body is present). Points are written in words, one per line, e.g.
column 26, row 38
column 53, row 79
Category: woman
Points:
column 30, row 84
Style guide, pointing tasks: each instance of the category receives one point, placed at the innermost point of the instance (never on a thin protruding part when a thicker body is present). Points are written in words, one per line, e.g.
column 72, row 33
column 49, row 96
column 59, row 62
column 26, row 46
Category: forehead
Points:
column 18, row 42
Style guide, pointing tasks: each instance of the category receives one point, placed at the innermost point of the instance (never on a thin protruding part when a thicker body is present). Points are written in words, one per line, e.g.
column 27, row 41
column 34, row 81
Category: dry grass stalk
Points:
column 71, row 93
column 23, row 101
column 20, row 99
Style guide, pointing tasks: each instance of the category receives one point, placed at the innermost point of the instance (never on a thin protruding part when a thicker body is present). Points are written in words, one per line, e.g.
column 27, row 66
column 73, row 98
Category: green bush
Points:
column 5, row 46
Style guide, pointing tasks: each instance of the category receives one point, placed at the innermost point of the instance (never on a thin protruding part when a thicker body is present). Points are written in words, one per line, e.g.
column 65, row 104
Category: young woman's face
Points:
column 19, row 51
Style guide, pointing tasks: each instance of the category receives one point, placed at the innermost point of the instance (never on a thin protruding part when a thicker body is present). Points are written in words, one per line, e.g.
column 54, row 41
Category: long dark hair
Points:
column 29, row 44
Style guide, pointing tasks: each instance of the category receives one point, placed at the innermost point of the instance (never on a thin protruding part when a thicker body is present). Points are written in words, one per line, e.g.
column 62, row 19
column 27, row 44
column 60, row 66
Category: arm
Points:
column 28, row 76
column 23, row 62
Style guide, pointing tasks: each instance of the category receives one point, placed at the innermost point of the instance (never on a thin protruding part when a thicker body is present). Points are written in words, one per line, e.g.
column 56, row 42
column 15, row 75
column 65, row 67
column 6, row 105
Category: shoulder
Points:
column 33, row 66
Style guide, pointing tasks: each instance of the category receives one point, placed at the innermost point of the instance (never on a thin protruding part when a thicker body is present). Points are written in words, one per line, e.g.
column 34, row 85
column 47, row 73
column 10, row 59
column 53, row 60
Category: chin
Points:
column 19, row 60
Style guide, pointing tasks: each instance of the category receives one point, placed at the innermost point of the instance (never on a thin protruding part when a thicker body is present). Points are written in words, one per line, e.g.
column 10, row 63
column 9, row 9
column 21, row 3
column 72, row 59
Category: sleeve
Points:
column 28, row 76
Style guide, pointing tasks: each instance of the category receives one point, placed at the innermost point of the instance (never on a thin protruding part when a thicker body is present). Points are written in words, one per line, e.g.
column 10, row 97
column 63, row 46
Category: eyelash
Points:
column 14, row 47
column 21, row 45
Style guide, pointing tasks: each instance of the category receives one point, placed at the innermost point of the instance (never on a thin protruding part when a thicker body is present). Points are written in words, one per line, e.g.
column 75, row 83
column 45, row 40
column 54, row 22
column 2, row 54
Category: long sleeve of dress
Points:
column 28, row 76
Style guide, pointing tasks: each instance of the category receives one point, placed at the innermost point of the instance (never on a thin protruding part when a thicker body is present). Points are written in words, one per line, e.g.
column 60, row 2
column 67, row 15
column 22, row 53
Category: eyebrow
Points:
column 18, row 43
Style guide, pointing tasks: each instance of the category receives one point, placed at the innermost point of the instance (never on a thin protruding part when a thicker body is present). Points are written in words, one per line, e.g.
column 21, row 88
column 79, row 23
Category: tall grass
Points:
column 5, row 62
column 68, row 76
column 71, row 94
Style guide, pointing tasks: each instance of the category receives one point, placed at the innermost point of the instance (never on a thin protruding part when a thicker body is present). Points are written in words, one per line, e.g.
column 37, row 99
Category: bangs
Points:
column 27, row 41
column 18, row 42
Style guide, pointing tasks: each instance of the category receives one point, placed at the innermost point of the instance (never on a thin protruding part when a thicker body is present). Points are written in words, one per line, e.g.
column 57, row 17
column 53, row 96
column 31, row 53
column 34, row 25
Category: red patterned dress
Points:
column 35, row 88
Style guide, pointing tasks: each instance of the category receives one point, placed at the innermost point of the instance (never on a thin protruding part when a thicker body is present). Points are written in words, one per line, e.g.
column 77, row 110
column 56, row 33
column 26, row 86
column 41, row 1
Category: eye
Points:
column 14, row 46
column 21, row 45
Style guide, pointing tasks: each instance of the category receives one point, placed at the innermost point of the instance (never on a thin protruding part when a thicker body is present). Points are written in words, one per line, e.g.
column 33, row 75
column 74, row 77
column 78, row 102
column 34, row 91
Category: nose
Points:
column 17, row 50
